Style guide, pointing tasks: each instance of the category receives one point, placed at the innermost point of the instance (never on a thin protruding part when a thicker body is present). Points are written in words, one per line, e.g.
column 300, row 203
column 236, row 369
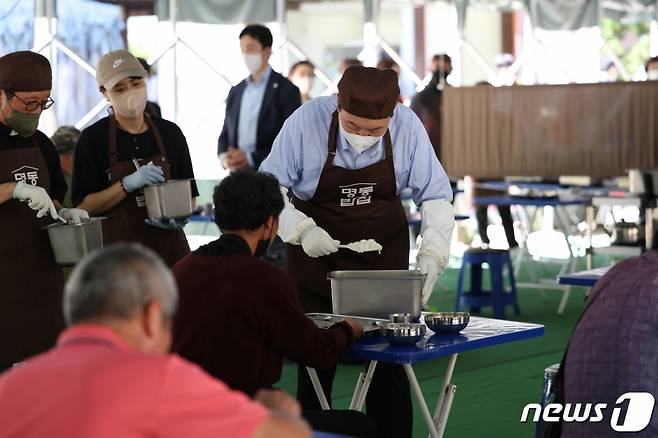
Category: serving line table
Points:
column 480, row 333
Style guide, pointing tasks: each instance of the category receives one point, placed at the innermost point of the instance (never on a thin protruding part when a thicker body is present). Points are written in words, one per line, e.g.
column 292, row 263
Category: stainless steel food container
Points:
column 172, row 199
column 326, row 320
column 403, row 317
column 626, row 233
column 447, row 322
column 376, row 294
column 401, row 333
column 72, row 242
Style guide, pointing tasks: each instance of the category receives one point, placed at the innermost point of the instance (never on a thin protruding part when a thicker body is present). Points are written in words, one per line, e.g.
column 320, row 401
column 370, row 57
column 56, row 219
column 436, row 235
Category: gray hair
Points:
column 117, row 282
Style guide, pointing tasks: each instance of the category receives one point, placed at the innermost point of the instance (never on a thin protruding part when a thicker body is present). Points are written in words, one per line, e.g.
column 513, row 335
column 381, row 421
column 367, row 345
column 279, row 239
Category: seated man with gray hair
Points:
column 109, row 374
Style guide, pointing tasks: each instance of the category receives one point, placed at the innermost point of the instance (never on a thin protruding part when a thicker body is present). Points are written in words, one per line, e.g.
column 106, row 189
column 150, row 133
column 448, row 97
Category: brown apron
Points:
column 352, row 205
column 125, row 221
column 31, row 283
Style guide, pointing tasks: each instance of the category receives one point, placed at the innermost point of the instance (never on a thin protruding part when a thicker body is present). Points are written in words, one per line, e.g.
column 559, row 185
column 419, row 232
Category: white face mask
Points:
column 253, row 61
column 359, row 142
column 653, row 74
column 130, row 103
column 304, row 83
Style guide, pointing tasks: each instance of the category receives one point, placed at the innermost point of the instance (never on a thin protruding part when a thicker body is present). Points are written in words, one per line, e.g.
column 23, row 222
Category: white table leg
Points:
column 415, row 388
column 569, row 264
column 362, row 386
column 318, row 388
column 445, row 409
column 447, row 378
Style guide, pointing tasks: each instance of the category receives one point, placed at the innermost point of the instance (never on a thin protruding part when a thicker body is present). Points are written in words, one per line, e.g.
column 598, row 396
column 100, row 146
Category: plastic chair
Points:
column 498, row 297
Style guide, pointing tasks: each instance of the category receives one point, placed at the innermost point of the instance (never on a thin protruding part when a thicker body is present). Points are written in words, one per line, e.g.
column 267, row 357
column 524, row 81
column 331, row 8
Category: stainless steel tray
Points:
column 326, row 320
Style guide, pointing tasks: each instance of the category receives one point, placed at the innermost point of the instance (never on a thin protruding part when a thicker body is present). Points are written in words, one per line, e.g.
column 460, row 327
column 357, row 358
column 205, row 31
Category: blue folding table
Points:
column 583, row 278
column 480, row 333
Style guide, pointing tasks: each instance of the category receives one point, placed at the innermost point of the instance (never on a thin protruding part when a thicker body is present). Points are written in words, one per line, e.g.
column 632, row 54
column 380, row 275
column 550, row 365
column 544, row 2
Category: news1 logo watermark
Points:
column 631, row 413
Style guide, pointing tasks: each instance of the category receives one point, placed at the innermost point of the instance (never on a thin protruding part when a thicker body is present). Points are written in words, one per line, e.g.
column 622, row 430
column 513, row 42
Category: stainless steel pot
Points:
column 71, row 242
column 172, row 199
column 626, row 233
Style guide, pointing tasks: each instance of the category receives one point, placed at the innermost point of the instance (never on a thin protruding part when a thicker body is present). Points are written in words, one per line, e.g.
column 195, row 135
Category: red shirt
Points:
column 93, row 384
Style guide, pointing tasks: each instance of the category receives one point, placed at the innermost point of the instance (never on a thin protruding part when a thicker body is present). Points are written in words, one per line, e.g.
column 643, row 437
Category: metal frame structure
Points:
column 46, row 38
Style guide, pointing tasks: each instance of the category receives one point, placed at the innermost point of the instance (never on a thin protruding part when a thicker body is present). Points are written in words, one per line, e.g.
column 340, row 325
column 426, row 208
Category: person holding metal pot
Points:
column 32, row 187
column 121, row 154
column 346, row 158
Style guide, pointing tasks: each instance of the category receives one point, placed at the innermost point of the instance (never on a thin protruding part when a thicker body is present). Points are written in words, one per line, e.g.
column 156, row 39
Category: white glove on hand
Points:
column 73, row 215
column 317, row 242
column 37, row 199
column 428, row 265
column 292, row 222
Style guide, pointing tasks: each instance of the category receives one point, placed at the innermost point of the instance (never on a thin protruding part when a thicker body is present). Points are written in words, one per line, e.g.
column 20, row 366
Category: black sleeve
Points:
column 183, row 166
column 88, row 172
column 58, row 186
column 222, row 142
column 258, row 156
column 291, row 101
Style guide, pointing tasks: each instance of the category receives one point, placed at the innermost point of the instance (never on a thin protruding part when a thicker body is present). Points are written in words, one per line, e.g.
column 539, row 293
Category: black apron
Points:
column 31, row 282
column 125, row 221
column 352, row 205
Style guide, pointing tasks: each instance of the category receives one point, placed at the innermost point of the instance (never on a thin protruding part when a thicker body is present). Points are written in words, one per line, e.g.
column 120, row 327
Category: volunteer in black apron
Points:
column 32, row 187
column 346, row 158
column 119, row 155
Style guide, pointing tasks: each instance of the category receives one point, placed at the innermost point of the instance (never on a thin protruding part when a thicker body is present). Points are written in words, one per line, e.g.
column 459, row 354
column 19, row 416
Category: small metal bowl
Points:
column 403, row 317
column 447, row 322
column 401, row 333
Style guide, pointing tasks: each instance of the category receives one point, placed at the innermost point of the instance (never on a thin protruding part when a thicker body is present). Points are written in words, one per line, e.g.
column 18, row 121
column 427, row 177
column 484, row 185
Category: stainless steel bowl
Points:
column 403, row 317
column 447, row 322
column 402, row 333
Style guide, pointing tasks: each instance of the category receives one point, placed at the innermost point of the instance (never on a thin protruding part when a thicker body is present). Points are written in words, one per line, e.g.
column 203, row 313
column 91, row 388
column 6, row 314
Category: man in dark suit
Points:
column 257, row 107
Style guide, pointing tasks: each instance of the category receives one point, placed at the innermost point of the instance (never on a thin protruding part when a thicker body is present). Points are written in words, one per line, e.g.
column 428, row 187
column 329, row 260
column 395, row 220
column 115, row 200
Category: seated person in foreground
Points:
column 614, row 347
column 109, row 374
column 239, row 317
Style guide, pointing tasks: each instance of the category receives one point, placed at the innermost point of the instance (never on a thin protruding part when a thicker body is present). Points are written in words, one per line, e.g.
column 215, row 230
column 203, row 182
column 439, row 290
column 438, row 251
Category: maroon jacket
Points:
column 238, row 317
column 614, row 348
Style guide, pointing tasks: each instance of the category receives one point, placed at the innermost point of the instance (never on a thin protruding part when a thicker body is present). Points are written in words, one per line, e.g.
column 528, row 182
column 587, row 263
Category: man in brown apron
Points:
column 119, row 155
column 346, row 158
column 32, row 187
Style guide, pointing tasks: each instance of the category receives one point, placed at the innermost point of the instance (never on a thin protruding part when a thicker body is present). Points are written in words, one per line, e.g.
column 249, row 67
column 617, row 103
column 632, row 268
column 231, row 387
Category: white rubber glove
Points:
column 427, row 265
column 37, row 199
column 317, row 242
column 437, row 223
column 73, row 215
column 292, row 222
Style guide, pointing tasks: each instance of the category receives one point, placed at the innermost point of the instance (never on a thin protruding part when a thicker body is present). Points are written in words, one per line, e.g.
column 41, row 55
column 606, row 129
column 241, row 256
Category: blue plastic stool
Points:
column 498, row 297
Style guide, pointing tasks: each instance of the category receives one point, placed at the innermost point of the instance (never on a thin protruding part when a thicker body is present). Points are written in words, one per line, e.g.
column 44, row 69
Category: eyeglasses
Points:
column 33, row 105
